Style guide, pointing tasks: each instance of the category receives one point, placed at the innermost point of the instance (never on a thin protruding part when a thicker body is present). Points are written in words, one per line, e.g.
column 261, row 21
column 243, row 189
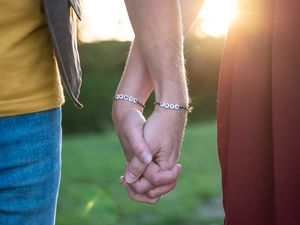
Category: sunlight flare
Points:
column 216, row 16
column 108, row 20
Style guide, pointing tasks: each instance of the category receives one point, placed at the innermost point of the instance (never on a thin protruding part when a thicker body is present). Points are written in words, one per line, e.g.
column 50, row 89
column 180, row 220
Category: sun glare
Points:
column 108, row 20
column 216, row 16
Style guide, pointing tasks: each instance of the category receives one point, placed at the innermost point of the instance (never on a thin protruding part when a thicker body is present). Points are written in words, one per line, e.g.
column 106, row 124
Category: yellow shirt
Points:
column 29, row 79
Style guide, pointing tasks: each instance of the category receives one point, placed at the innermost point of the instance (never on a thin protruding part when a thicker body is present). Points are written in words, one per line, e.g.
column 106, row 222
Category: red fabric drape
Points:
column 259, row 115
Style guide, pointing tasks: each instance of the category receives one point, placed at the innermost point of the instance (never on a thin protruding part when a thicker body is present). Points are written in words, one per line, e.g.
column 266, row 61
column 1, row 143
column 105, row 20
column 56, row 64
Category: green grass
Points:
column 91, row 195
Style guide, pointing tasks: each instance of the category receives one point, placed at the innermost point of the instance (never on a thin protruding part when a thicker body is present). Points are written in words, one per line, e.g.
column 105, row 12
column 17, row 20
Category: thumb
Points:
column 142, row 155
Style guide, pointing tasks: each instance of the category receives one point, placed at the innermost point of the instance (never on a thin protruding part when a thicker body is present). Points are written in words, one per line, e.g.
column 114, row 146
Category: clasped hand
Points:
column 151, row 148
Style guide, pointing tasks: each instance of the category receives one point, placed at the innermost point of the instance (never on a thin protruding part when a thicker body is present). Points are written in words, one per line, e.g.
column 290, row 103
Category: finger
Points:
column 139, row 197
column 142, row 186
column 122, row 180
column 161, row 190
column 159, row 177
column 134, row 170
column 142, row 154
column 126, row 147
column 136, row 141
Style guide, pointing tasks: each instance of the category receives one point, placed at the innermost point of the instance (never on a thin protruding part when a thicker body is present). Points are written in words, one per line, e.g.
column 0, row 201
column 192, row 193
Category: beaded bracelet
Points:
column 128, row 98
column 172, row 106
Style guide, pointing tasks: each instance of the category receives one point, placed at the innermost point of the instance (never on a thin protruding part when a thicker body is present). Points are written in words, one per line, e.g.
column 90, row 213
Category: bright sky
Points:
column 107, row 19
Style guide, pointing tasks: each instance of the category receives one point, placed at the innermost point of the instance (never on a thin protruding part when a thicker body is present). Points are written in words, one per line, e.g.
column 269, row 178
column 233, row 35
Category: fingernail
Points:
column 122, row 180
column 130, row 177
column 146, row 157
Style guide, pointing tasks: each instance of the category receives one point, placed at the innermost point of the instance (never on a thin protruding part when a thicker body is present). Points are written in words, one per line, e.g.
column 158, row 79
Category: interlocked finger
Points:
column 154, row 175
column 139, row 197
column 161, row 190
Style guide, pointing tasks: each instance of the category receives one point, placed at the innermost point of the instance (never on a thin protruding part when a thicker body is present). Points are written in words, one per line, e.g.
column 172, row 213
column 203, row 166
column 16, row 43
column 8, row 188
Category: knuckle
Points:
column 137, row 188
column 152, row 194
column 155, row 180
column 134, row 169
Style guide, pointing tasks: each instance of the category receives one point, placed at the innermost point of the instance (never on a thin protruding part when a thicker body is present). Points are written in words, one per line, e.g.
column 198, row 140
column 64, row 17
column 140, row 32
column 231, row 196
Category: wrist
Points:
column 136, row 88
column 172, row 93
column 122, row 102
column 121, row 109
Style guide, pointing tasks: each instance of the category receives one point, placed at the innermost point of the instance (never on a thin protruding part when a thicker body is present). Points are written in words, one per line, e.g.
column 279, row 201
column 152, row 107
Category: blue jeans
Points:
column 30, row 163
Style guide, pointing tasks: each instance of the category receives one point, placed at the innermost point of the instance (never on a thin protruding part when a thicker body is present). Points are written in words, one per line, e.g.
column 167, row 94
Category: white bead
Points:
column 172, row 106
column 162, row 104
column 128, row 98
column 167, row 105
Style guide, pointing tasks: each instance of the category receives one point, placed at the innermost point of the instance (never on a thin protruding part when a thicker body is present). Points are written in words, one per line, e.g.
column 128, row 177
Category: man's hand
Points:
column 163, row 133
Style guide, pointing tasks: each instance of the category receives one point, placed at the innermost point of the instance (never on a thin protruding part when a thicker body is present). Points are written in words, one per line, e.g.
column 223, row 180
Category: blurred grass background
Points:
column 93, row 159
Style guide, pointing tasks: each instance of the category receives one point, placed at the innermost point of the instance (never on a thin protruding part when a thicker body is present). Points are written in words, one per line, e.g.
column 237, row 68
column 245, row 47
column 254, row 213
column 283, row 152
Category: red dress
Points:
column 259, row 115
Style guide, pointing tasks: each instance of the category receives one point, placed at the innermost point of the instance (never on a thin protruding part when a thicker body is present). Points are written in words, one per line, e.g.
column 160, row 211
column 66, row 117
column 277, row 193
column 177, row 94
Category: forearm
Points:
column 136, row 78
column 158, row 29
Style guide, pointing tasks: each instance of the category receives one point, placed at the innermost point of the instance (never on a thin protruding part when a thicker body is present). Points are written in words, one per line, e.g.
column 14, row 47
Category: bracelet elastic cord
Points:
column 171, row 106
column 128, row 98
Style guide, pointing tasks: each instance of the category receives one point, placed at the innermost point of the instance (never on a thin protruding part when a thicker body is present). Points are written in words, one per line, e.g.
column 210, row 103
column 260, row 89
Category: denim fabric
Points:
column 30, row 163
